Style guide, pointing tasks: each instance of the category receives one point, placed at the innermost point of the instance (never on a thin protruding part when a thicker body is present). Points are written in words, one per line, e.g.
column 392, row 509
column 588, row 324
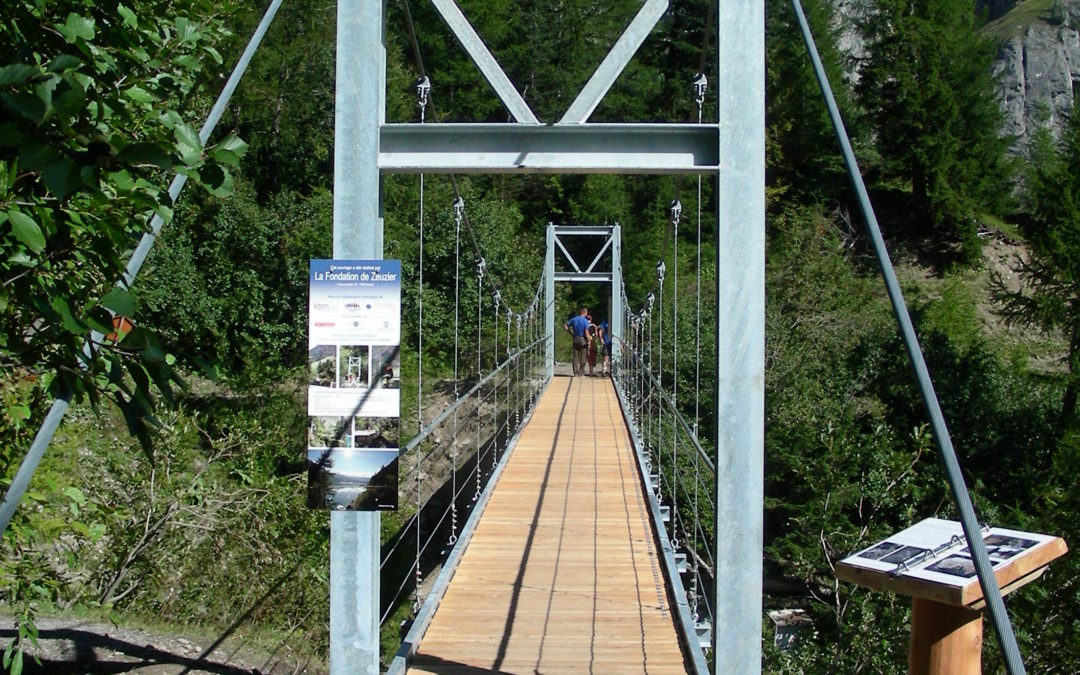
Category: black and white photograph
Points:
column 954, row 565
column 903, row 555
column 881, row 550
column 1016, row 544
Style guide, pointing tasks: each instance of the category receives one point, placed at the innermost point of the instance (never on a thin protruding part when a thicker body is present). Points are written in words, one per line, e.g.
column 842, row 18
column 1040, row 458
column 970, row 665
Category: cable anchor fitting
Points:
column 661, row 269
column 676, row 212
column 423, row 88
column 481, row 267
column 701, row 85
column 459, row 210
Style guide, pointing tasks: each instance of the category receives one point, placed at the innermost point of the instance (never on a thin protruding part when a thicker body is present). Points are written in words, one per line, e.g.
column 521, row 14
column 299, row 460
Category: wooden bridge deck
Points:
column 562, row 574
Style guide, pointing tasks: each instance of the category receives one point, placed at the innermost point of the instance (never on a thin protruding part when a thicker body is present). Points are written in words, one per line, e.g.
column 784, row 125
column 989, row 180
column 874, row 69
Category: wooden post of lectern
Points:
column 945, row 639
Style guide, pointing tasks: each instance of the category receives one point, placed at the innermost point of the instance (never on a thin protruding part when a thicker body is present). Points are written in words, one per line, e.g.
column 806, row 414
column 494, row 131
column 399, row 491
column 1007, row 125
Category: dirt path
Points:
column 79, row 646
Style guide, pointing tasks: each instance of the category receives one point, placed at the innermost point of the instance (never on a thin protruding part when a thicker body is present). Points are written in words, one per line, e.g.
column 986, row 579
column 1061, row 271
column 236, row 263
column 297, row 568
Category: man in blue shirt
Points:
column 605, row 337
column 578, row 327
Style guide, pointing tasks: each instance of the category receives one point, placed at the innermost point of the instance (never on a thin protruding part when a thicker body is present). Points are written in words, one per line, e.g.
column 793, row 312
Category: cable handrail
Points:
column 671, row 404
column 426, row 431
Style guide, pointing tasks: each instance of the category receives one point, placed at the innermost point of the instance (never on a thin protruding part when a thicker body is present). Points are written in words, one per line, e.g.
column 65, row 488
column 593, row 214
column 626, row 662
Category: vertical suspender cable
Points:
column 972, row 531
column 423, row 86
column 459, row 211
column 661, row 269
column 676, row 215
column 699, row 88
column 495, row 383
column 479, row 369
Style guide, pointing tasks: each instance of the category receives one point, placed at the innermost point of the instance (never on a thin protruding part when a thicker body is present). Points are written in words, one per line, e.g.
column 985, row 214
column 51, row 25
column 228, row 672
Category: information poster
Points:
column 354, row 384
column 935, row 550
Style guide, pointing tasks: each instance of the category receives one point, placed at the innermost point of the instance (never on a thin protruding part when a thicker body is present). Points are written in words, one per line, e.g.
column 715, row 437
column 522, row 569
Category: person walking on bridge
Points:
column 578, row 327
column 605, row 339
column 594, row 344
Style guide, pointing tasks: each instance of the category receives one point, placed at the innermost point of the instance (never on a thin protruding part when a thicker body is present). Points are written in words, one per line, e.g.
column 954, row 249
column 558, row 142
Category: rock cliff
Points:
column 1038, row 66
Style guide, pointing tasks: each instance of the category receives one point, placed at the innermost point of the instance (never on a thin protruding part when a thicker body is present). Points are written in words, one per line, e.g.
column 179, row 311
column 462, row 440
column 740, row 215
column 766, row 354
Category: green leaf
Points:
column 21, row 259
column 61, row 178
column 129, row 16
column 165, row 213
column 26, row 230
column 16, row 73
column 35, row 155
column 64, row 63
column 71, row 324
column 69, row 99
column 187, row 30
column 187, row 143
column 214, row 54
column 139, row 95
column 77, row 27
column 146, row 153
column 119, row 301
column 229, row 150
column 27, row 105
column 75, row 494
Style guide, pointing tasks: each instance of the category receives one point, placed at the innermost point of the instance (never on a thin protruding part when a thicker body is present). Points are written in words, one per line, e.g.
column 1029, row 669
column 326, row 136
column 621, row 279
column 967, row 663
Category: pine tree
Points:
column 927, row 89
column 1052, row 274
column 802, row 151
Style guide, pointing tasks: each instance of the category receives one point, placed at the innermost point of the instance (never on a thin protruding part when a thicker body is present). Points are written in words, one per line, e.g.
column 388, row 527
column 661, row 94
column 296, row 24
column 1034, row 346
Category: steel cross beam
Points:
column 558, row 148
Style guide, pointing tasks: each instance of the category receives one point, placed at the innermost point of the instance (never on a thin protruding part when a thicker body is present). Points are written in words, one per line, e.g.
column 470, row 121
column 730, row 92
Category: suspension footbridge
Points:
column 593, row 539
column 563, row 571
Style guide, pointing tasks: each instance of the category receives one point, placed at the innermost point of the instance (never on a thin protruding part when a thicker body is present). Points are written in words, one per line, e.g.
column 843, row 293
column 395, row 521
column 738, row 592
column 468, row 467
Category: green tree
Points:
column 927, row 89
column 1049, row 296
column 803, row 155
column 96, row 102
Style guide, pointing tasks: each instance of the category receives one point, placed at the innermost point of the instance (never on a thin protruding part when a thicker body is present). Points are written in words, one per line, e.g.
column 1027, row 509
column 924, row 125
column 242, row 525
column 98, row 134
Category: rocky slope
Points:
column 1038, row 65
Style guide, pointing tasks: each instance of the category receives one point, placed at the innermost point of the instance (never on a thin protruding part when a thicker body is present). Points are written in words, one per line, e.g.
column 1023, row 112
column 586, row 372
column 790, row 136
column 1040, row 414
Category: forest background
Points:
column 175, row 490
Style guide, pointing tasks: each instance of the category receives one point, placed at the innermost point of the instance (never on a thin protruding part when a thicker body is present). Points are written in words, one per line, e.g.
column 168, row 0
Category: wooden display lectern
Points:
column 930, row 562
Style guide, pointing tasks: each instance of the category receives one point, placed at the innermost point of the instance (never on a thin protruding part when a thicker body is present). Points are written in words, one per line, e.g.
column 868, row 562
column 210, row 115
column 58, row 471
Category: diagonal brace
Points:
column 607, row 245
column 613, row 64
column 483, row 59
column 567, row 254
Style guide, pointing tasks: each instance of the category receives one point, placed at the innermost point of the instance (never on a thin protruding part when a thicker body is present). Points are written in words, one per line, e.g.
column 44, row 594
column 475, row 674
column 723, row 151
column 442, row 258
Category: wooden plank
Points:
column 562, row 573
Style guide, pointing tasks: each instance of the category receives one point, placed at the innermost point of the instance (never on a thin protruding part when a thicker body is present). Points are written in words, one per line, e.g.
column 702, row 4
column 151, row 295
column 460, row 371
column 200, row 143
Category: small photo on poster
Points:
column 376, row 432
column 386, row 364
column 1006, row 547
column 955, row 565
column 329, row 432
column 903, row 555
column 880, row 551
column 322, row 366
column 352, row 479
column 354, row 366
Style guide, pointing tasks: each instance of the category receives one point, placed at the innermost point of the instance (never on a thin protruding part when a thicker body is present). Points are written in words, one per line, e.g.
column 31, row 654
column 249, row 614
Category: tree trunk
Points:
column 1072, row 387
